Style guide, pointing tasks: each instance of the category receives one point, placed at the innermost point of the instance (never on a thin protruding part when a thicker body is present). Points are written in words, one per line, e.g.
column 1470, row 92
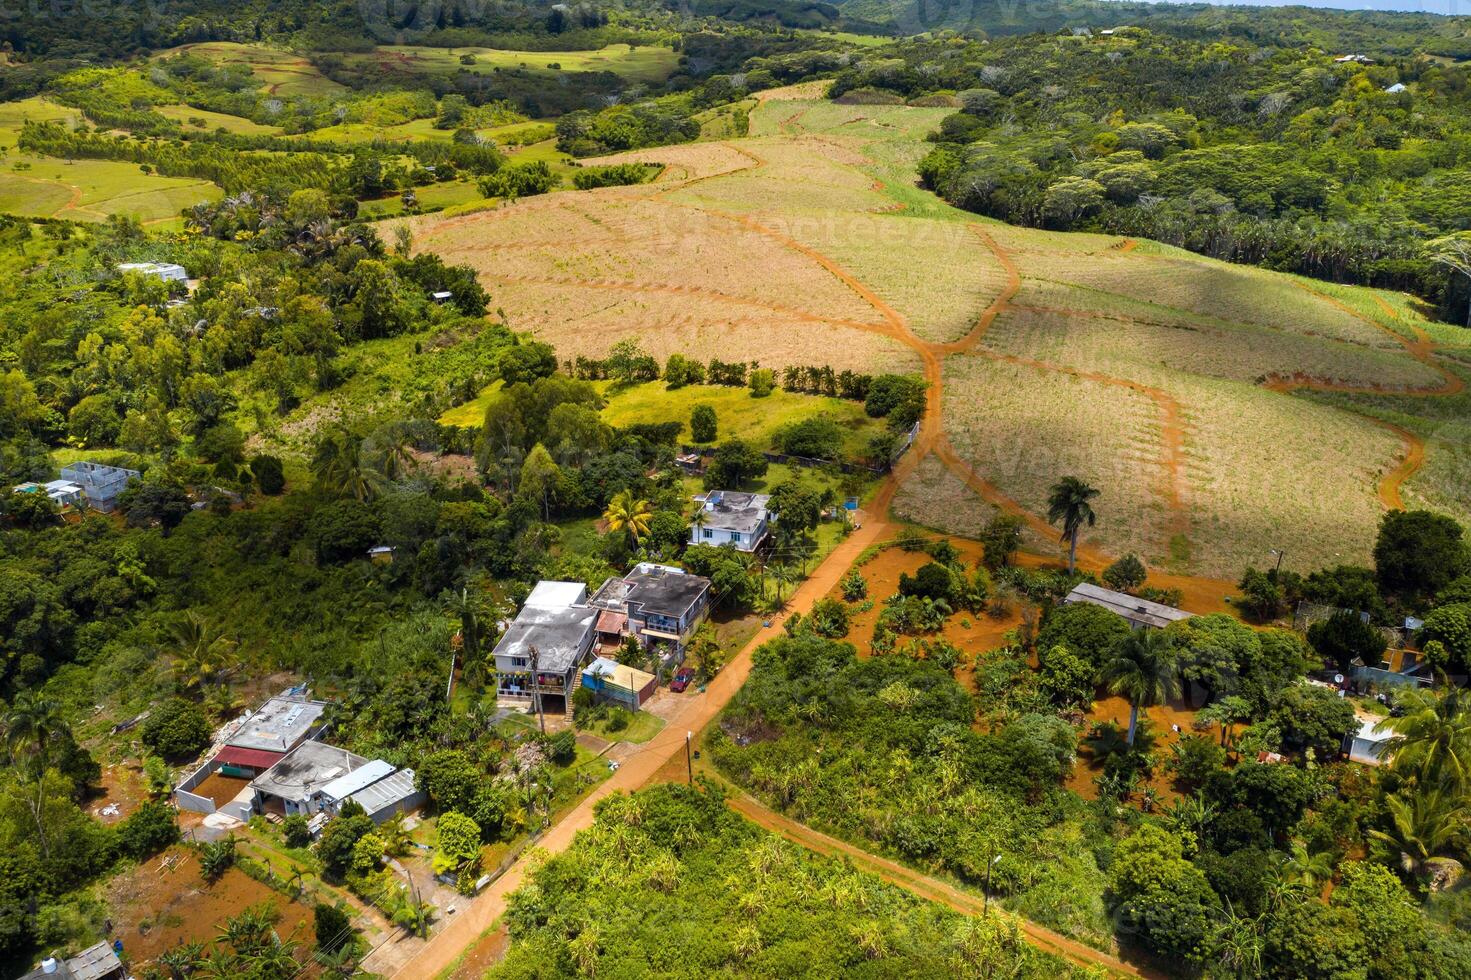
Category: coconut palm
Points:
column 1432, row 740
column 630, row 515
column 338, row 467
column 1069, row 504
column 1306, row 869
column 1143, row 671
column 783, row 574
column 1419, row 832
column 201, row 651
column 32, row 725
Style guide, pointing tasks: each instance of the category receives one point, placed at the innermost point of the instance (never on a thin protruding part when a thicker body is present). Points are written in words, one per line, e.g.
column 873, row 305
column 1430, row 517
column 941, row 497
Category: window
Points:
column 519, row 662
column 709, row 533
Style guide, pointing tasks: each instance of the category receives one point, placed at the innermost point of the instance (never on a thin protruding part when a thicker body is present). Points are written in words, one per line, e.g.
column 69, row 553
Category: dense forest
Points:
column 1285, row 157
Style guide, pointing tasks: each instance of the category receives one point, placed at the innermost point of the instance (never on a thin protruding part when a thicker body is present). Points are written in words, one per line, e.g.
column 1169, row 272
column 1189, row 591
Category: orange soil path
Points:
column 1422, row 349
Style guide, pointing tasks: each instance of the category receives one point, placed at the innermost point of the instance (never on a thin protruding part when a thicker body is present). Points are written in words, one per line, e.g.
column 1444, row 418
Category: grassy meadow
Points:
column 645, row 63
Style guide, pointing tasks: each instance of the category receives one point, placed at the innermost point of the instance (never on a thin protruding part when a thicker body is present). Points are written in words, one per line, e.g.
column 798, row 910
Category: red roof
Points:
column 234, row 755
column 611, row 622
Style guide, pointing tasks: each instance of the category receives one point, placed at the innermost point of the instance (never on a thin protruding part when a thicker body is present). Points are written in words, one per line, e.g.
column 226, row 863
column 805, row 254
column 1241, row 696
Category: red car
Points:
column 681, row 680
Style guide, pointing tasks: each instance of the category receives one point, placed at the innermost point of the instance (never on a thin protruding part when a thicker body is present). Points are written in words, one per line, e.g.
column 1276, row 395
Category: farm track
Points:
column 1422, row 349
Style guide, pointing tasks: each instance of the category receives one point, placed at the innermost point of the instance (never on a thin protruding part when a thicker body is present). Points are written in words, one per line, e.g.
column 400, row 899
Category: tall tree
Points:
column 1432, row 739
column 1420, row 830
column 1069, row 504
column 201, row 651
column 1143, row 671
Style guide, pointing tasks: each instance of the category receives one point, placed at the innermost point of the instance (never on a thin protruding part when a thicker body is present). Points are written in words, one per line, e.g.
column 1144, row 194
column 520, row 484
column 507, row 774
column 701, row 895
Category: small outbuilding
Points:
column 1141, row 613
column 619, row 684
column 99, row 962
column 1368, row 744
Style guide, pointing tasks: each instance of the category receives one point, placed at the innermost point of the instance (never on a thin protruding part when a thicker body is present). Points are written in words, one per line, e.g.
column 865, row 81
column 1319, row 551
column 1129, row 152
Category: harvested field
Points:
column 1182, row 387
column 1022, row 427
column 1122, row 343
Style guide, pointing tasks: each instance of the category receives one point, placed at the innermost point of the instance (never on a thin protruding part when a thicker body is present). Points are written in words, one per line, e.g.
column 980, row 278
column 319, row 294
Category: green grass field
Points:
column 646, row 63
column 90, row 190
column 191, row 117
column 755, row 420
column 282, row 73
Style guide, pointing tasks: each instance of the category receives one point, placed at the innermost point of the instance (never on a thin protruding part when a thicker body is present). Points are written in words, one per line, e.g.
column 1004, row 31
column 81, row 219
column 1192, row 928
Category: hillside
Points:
column 1173, row 383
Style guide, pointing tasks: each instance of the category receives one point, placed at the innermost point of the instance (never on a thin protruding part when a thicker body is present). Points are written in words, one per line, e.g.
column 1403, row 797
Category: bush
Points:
column 762, row 383
column 854, row 587
column 815, row 438
column 147, row 830
column 176, row 730
column 296, row 831
column 332, row 926
column 1089, row 631
column 269, row 476
column 1126, row 574
column 562, row 747
column 215, row 858
column 703, row 423
column 896, row 397
column 614, row 175
column 934, row 581
column 829, row 618
column 1194, row 759
column 521, row 180
column 459, row 843
column 339, row 837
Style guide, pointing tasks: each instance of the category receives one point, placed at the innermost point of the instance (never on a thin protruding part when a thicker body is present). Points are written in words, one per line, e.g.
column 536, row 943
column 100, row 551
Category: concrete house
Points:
column 167, row 271
column 101, row 485
column 728, row 517
column 1141, row 613
column 296, row 783
column 554, row 628
column 256, row 742
column 62, row 493
column 661, row 605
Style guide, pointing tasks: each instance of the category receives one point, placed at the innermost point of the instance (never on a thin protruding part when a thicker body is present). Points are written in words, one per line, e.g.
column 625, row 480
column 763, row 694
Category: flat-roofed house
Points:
column 555, row 630
column 100, row 484
column 727, row 517
column 661, row 605
column 295, row 784
column 1141, row 613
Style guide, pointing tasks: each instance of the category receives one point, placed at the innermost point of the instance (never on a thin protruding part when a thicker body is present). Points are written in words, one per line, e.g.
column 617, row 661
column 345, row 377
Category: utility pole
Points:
column 689, row 764
column 1278, row 570
column 536, row 689
column 986, row 895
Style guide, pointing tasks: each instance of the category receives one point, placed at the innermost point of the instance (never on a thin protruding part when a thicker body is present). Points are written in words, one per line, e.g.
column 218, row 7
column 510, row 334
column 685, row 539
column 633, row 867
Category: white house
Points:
column 1396, row 88
column 729, row 517
column 1368, row 744
column 167, row 271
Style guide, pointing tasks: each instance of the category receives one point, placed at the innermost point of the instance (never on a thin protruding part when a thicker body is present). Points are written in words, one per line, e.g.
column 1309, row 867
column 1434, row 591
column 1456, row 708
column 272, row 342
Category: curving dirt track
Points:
column 1422, row 349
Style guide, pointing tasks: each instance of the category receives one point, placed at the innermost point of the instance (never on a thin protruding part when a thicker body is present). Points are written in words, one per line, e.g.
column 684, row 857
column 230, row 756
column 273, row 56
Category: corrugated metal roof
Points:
column 359, row 779
column 235, row 755
column 618, row 675
column 387, row 791
column 1140, row 612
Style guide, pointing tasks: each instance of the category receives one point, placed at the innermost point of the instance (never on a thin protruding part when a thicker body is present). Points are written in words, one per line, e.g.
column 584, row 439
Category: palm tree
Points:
column 1069, row 504
column 783, row 574
column 1420, row 829
column 1306, row 869
column 32, row 725
column 1143, row 671
column 338, row 467
column 201, row 651
column 1432, row 740
column 629, row 515
column 461, row 605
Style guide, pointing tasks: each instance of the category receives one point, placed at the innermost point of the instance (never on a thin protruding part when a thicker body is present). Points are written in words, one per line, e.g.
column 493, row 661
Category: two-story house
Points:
column 730, row 517
column 659, row 605
column 545, row 647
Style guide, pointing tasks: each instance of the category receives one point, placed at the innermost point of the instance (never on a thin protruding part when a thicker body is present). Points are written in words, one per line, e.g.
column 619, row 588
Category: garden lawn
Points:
column 641, row 728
